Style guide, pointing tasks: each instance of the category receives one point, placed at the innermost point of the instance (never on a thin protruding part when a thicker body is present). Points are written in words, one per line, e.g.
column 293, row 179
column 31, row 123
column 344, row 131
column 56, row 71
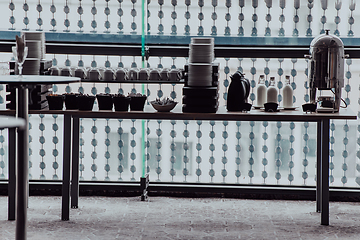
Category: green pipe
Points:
column 143, row 86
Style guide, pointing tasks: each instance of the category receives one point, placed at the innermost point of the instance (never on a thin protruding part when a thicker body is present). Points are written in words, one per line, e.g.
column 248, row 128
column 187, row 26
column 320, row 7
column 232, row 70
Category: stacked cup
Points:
column 201, row 57
column 35, row 41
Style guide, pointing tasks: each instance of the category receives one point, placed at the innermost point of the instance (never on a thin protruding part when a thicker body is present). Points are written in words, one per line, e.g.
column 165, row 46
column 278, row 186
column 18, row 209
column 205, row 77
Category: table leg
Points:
column 22, row 165
column 12, row 174
column 318, row 166
column 65, row 213
column 325, row 128
column 75, row 164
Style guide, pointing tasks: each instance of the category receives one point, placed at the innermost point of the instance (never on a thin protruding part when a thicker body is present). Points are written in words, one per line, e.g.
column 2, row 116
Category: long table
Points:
column 323, row 131
column 72, row 126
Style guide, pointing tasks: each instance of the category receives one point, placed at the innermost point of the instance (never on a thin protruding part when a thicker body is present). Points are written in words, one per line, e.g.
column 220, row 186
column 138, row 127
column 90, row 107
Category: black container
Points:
column 245, row 107
column 85, row 102
column 137, row 103
column 121, row 103
column 271, row 107
column 56, row 102
column 105, row 101
column 71, row 102
column 309, row 107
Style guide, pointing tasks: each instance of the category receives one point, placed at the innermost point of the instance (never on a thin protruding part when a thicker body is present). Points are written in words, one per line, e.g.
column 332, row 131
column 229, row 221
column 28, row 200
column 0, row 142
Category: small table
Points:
column 22, row 83
column 11, row 122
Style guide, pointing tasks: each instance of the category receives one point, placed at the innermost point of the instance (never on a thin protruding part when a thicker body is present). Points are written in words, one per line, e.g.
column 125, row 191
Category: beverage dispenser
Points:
column 326, row 66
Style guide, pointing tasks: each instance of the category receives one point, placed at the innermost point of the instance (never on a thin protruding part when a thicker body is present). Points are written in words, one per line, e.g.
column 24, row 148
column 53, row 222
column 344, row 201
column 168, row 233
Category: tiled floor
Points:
column 184, row 218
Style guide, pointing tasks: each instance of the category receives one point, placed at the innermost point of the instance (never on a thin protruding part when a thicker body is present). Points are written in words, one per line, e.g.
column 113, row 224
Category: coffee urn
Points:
column 326, row 65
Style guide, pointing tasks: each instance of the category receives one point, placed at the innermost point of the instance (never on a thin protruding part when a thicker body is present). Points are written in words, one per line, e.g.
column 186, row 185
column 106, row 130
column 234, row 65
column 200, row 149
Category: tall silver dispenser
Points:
column 326, row 67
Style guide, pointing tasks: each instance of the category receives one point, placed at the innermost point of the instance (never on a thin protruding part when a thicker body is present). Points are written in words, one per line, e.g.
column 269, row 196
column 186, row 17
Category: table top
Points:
column 221, row 115
column 11, row 122
column 36, row 79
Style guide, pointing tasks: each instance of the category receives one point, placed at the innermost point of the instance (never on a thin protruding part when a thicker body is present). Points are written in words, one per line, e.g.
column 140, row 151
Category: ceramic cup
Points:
column 55, row 71
column 101, row 71
column 133, row 74
column 66, row 71
column 164, row 74
column 144, row 74
column 174, row 75
column 109, row 75
column 80, row 73
column 121, row 74
column 155, row 74
column 94, row 75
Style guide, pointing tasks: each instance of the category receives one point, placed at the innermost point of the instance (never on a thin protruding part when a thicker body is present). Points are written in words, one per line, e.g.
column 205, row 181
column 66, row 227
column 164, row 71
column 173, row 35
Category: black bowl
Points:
column 271, row 107
column 86, row 102
column 105, row 101
column 245, row 107
column 309, row 107
column 121, row 103
column 137, row 103
column 71, row 102
column 56, row 102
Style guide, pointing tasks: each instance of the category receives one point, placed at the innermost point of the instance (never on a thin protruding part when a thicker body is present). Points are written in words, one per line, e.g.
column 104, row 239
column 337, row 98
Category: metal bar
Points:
column 75, row 164
column 66, row 169
column 22, row 164
column 318, row 166
column 325, row 172
column 12, row 174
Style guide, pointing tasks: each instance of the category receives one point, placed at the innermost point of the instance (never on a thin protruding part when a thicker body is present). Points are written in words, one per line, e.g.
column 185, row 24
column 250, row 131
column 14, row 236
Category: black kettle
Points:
column 238, row 92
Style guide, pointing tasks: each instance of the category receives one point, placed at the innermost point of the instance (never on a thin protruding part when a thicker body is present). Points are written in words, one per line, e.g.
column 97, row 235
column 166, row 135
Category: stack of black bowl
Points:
column 201, row 99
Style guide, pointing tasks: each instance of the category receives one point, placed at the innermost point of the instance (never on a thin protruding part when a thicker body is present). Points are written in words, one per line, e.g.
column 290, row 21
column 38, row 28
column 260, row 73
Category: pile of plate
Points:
column 35, row 41
column 37, row 36
column 200, row 93
column 201, row 57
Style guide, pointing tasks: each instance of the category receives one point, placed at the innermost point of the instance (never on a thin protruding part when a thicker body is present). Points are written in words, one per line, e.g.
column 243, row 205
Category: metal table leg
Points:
column 12, row 174
column 325, row 128
column 318, row 167
column 22, row 165
column 65, row 213
column 75, row 164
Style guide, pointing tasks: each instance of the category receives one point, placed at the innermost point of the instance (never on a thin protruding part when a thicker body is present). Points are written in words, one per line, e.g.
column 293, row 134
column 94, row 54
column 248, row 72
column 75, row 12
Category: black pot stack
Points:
column 200, row 92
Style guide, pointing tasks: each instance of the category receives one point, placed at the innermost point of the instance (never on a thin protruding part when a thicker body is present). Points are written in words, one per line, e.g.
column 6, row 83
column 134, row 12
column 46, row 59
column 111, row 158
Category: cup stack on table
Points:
column 200, row 93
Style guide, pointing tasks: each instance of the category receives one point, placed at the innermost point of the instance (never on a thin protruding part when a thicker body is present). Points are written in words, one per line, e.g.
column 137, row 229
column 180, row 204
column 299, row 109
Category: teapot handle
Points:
column 247, row 88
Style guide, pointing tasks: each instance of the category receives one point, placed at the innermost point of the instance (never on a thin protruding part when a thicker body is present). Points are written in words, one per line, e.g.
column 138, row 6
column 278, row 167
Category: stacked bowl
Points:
column 200, row 93
column 201, row 57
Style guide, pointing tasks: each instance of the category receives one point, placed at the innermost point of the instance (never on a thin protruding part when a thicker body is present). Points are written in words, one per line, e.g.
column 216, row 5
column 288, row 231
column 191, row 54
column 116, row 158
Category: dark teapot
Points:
column 238, row 92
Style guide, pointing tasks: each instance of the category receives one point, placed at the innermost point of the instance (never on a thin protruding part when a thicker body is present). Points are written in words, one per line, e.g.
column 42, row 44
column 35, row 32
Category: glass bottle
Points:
column 261, row 92
column 272, row 93
column 287, row 94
